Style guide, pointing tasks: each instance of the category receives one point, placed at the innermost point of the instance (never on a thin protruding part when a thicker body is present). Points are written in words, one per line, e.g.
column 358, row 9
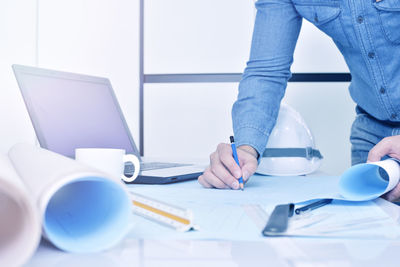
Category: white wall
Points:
column 187, row 119
column 96, row 37
column 189, row 37
column 17, row 45
column 101, row 37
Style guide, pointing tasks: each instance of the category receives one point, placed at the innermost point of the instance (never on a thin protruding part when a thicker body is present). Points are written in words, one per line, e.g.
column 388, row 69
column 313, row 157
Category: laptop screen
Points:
column 71, row 111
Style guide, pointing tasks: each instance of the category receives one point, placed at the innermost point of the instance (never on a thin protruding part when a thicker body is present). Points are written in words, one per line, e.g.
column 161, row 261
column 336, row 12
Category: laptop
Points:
column 71, row 111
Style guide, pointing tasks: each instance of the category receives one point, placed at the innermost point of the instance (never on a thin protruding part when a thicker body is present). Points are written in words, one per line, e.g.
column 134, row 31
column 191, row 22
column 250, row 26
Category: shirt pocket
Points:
column 389, row 14
column 326, row 15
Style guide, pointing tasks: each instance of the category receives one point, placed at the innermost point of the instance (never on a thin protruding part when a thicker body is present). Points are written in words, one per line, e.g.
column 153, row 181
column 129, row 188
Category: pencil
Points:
column 235, row 156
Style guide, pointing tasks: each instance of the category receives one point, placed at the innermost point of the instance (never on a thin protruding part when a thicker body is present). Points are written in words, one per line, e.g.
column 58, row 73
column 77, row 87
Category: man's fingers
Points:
column 225, row 156
column 249, row 164
column 393, row 195
column 224, row 172
column 387, row 146
column 215, row 182
column 226, row 169
column 379, row 150
column 208, row 179
column 224, row 175
column 203, row 182
column 249, row 169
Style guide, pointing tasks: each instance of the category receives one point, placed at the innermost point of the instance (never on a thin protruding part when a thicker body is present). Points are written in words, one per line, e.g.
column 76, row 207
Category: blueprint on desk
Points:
column 221, row 214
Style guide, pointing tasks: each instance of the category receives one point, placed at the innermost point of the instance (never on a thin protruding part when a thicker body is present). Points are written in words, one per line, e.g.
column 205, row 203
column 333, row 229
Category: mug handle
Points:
column 135, row 161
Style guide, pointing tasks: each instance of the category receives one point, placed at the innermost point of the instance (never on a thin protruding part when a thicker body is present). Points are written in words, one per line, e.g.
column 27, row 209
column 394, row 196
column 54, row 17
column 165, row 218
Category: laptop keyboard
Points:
column 147, row 166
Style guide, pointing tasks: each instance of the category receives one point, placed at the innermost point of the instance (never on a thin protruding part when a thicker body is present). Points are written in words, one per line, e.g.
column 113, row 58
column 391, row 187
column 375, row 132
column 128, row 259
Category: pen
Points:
column 235, row 156
column 313, row 205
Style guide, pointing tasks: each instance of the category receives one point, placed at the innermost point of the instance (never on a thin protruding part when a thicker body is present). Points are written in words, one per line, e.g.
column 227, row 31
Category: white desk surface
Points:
column 277, row 251
column 281, row 251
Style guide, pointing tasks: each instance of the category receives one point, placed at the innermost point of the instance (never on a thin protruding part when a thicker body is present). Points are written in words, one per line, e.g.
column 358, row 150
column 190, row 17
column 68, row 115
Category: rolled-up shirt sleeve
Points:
column 264, row 80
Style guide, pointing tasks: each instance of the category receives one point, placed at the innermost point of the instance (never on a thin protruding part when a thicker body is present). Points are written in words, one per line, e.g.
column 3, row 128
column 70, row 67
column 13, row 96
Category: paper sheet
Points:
column 259, row 190
column 344, row 219
column 221, row 222
column 220, row 214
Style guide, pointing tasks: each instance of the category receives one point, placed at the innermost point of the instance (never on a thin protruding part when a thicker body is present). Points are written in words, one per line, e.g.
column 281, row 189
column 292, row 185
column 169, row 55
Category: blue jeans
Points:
column 366, row 132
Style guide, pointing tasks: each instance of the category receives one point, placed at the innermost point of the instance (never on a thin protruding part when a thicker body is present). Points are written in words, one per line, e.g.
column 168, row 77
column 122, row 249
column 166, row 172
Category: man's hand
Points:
column 223, row 171
column 389, row 146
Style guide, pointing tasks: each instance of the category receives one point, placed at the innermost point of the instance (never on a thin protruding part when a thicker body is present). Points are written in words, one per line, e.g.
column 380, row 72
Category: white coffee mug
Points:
column 108, row 160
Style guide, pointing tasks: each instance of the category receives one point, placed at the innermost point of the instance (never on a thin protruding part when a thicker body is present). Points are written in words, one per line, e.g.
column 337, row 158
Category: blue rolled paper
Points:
column 87, row 215
column 369, row 180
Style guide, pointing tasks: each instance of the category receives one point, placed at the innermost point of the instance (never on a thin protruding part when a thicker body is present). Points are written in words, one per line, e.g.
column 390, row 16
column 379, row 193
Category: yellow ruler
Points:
column 178, row 218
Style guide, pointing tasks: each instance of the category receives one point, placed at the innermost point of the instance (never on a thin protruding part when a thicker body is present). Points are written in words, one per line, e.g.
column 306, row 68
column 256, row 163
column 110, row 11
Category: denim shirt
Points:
column 367, row 32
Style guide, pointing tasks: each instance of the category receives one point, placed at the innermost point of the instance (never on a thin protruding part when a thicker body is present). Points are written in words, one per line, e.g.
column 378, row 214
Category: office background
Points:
column 102, row 38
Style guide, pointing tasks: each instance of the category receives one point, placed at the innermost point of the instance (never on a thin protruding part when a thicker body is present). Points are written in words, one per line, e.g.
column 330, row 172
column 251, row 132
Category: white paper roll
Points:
column 83, row 210
column 20, row 227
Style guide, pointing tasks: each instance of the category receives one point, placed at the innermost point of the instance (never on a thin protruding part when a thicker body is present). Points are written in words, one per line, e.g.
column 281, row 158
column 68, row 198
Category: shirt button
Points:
column 371, row 55
column 393, row 116
column 382, row 90
column 360, row 19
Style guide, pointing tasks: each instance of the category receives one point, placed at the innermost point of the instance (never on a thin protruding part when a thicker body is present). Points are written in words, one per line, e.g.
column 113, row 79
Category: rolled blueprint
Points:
column 19, row 218
column 369, row 180
column 82, row 209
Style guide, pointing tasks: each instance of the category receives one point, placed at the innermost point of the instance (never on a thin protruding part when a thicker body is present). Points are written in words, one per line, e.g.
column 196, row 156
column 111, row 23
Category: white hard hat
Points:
column 290, row 149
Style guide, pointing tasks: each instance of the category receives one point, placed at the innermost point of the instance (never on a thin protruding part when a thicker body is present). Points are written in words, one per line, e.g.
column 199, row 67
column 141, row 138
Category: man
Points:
column 368, row 35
